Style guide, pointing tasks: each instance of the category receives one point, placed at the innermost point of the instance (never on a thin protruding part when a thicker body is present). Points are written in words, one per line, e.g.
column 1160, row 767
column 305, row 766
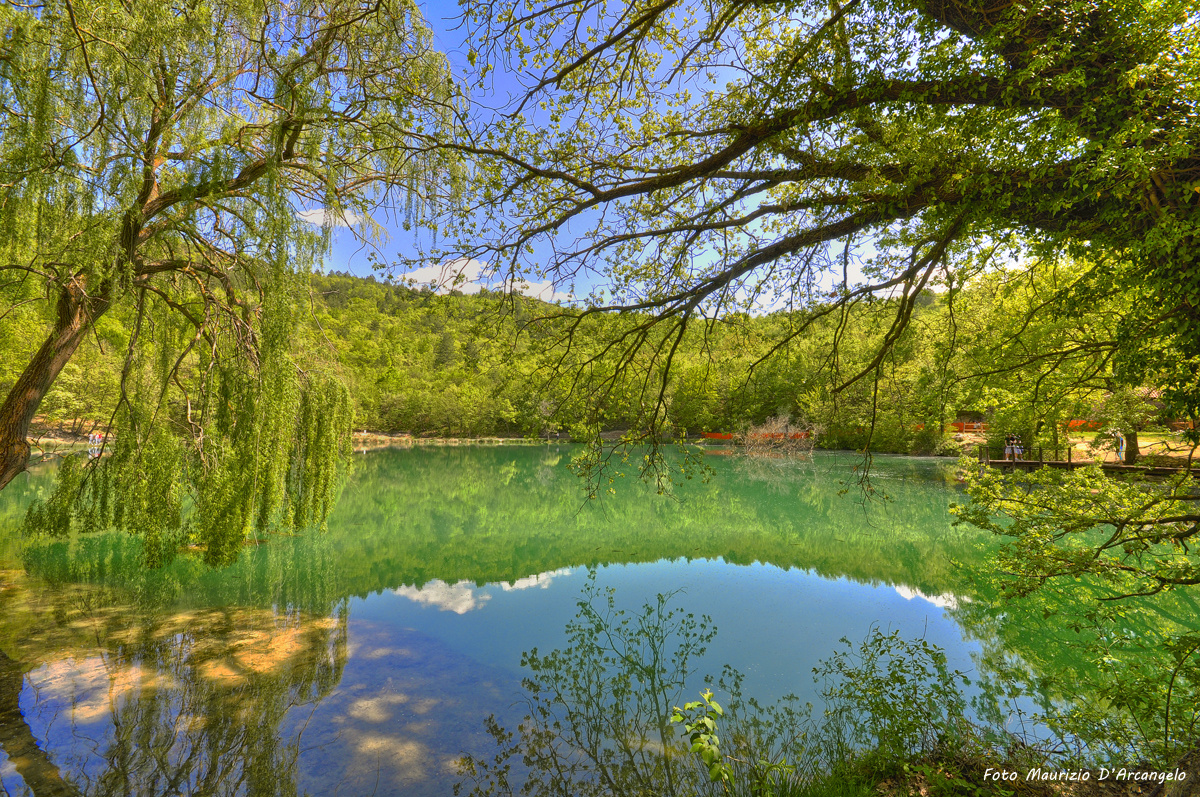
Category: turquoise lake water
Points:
column 366, row 659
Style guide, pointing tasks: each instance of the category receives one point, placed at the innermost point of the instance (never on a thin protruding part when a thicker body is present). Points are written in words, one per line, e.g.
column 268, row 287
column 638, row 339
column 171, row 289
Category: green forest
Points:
column 452, row 365
column 863, row 222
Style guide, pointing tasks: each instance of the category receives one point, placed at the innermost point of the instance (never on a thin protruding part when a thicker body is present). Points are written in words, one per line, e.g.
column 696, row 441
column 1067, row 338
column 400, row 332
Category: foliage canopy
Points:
column 816, row 155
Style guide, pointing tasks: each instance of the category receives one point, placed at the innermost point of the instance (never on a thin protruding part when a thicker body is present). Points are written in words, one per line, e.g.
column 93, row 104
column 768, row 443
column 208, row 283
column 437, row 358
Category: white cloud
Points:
column 944, row 601
column 536, row 580
column 467, row 275
column 544, row 291
column 319, row 216
column 464, row 596
column 461, row 274
column 459, row 598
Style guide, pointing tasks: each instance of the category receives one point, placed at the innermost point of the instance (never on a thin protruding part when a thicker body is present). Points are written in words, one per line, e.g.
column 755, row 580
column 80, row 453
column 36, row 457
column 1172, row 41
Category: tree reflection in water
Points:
column 598, row 720
column 187, row 702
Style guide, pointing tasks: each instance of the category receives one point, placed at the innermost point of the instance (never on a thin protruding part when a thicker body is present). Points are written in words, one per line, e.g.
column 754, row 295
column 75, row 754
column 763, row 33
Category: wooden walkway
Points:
column 1009, row 465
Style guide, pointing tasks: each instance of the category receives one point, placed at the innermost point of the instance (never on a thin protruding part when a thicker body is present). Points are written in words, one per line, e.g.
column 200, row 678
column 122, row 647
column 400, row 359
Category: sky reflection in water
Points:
column 366, row 659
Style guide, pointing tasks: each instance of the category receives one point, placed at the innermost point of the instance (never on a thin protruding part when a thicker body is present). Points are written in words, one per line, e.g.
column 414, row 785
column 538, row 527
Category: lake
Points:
column 366, row 659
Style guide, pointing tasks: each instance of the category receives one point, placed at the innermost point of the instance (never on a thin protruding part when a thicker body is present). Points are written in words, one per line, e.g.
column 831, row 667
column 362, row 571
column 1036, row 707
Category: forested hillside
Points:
column 425, row 363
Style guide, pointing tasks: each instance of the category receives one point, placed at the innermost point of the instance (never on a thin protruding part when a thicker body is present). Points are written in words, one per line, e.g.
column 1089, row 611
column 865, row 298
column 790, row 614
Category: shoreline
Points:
column 52, row 443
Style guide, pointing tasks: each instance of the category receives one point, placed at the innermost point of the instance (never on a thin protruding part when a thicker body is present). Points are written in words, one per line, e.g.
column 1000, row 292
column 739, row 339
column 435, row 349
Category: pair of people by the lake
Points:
column 95, row 443
column 1014, row 449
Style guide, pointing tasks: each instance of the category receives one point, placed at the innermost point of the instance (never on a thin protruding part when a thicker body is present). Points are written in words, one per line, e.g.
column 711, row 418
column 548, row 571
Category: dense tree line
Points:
column 484, row 364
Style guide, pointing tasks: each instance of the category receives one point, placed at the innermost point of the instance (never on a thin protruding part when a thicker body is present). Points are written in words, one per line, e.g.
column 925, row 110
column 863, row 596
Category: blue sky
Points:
column 349, row 252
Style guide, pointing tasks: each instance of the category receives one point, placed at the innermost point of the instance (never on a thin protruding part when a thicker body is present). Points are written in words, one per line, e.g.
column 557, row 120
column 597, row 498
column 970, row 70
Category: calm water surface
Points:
column 366, row 659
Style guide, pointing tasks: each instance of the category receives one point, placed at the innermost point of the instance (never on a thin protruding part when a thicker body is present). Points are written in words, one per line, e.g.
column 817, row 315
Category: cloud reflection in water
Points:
column 463, row 596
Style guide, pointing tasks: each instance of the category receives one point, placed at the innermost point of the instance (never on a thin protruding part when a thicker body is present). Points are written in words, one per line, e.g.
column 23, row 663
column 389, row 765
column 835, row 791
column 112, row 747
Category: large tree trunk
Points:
column 77, row 312
column 1131, row 447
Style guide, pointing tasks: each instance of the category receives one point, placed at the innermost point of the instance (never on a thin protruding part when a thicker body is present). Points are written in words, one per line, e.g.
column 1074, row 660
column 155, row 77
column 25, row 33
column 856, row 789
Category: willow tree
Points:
column 813, row 155
column 157, row 160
